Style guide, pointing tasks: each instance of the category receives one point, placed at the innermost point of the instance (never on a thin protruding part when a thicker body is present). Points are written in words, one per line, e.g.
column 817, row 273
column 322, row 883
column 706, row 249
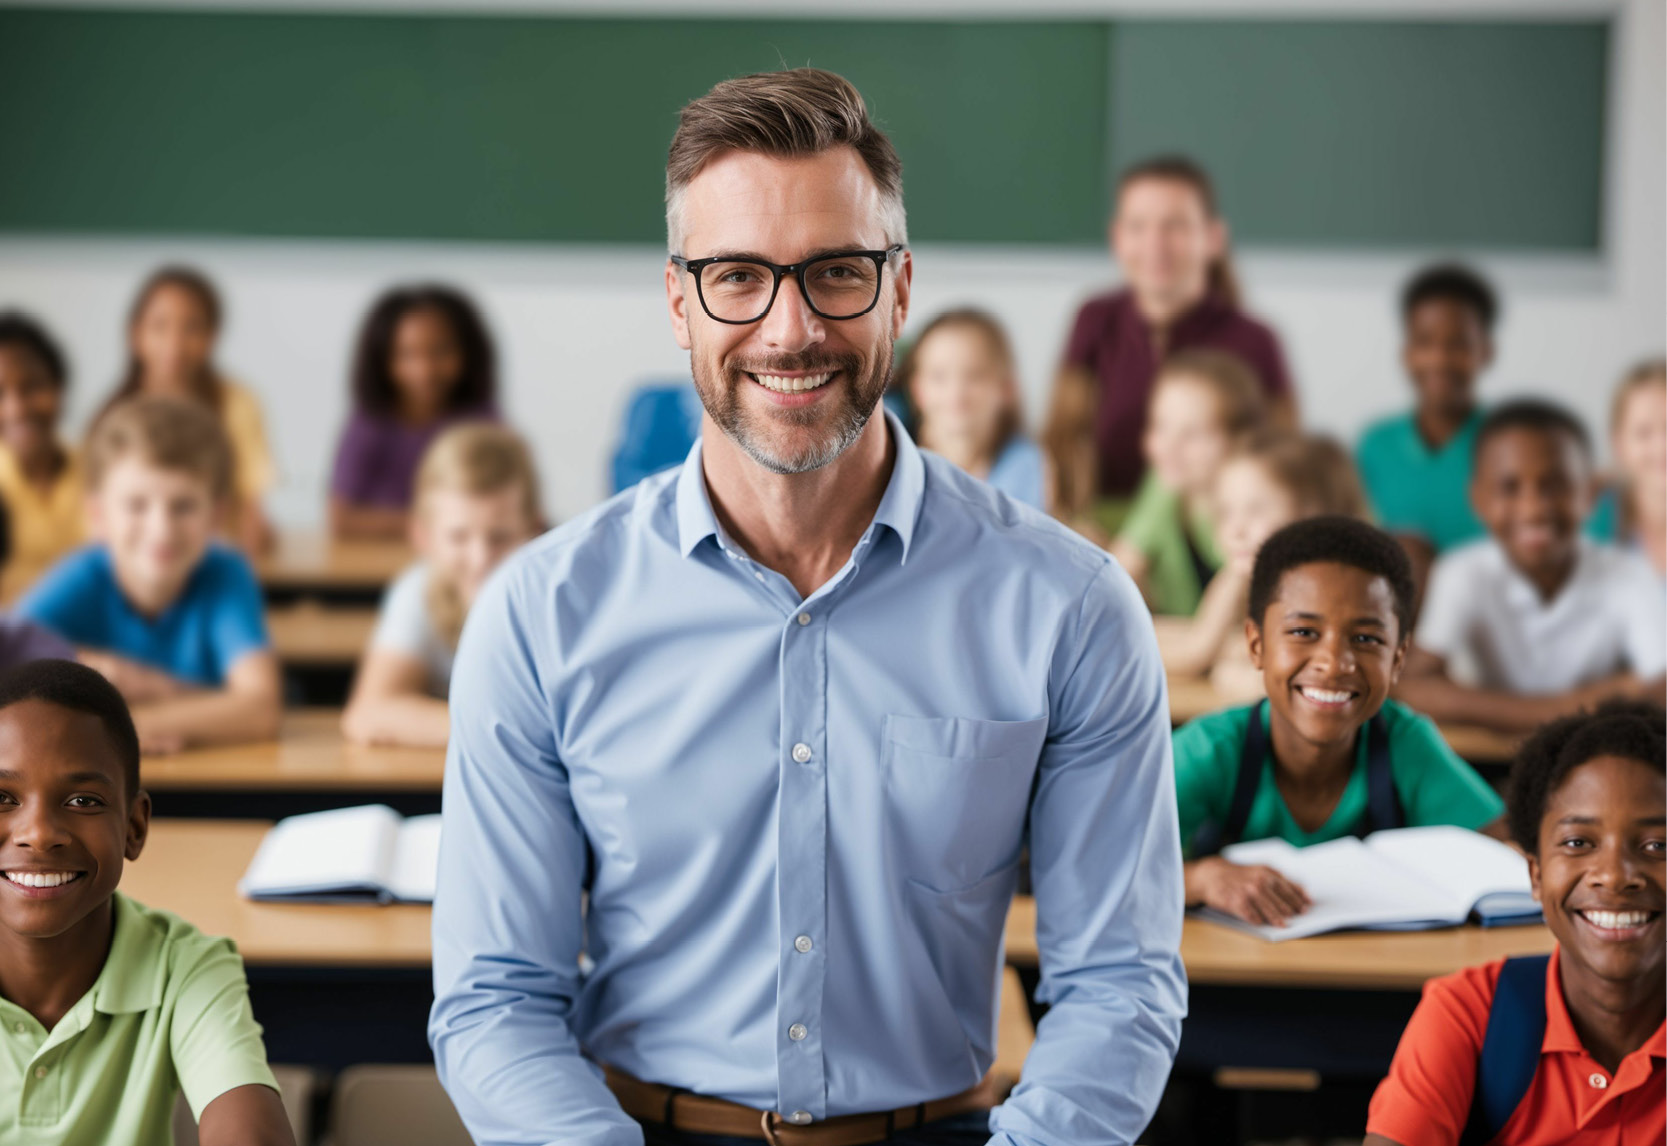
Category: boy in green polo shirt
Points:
column 1328, row 754
column 107, row 1008
column 1416, row 465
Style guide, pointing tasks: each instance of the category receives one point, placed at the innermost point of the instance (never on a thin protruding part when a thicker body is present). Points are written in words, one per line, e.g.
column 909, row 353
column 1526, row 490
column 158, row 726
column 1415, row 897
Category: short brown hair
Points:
column 168, row 433
column 1242, row 405
column 787, row 115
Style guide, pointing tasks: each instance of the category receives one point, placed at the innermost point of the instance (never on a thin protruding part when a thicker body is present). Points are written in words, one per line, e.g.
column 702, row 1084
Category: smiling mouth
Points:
column 782, row 384
column 1326, row 697
column 1617, row 925
column 40, row 880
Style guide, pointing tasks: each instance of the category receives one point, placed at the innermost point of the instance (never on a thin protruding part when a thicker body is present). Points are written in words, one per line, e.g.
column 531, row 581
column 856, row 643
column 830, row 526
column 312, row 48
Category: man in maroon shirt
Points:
column 1181, row 294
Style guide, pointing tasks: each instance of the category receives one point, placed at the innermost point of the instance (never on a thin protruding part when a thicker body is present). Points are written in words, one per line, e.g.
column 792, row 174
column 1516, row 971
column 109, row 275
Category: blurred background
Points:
column 310, row 154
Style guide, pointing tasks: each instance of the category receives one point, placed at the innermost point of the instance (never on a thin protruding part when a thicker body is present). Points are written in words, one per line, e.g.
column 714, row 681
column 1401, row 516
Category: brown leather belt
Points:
column 699, row 1114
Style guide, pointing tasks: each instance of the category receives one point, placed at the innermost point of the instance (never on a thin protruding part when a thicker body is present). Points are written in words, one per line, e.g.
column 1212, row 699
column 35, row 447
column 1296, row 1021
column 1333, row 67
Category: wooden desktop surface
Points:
column 311, row 634
column 1356, row 960
column 304, row 560
column 191, row 868
column 309, row 754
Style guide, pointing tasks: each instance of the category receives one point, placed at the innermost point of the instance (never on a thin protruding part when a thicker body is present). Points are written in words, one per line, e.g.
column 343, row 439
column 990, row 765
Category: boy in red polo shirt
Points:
column 1587, row 799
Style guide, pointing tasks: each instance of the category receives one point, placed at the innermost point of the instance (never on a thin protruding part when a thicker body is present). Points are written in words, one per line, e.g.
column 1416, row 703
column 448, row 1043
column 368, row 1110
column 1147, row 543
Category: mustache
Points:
column 787, row 363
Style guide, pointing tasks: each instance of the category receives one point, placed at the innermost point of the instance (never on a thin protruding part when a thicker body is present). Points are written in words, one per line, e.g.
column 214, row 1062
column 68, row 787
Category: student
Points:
column 171, row 332
column 108, row 1009
column 40, row 477
column 961, row 380
column 1202, row 403
column 424, row 362
column 1539, row 1050
column 1542, row 620
column 1271, row 480
column 1416, row 465
column 476, row 501
column 172, row 618
column 1633, row 512
column 1327, row 754
column 22, row 641
column 1172, row 246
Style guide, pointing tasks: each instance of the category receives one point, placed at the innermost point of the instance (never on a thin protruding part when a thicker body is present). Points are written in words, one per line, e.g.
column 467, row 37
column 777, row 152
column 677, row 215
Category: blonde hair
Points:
column 1650, row 372
column 168, row 433
column 1240, row 402
column 1315, row 469
column 476, row 459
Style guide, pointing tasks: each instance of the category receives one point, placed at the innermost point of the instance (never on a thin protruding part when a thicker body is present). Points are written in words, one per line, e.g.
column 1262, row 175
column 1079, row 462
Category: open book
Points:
column 350, row 855
column 1406, row 879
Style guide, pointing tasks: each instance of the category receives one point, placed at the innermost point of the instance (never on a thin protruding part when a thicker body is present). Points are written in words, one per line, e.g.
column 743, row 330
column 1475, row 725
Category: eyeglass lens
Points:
column 839, row 287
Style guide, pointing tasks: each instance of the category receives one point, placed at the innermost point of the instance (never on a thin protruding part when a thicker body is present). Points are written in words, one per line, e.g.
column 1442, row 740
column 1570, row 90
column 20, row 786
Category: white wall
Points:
column 579, row 327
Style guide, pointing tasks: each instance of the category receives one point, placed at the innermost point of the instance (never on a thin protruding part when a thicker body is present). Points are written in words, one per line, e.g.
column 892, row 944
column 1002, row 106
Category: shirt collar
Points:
column 1560, row 1034
column 132, row 976
column 899, row 508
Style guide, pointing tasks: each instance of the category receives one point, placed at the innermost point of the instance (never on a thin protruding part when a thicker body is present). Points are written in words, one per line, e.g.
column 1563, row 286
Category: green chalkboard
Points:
column 509, row 128
column 1376, row 133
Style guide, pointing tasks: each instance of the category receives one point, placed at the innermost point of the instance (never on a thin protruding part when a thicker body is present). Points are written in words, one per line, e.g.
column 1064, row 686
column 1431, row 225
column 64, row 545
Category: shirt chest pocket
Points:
column 956, row 795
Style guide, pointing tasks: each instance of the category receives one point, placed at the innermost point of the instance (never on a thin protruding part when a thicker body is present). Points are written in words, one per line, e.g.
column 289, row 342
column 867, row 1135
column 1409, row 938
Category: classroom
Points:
column 947, row 573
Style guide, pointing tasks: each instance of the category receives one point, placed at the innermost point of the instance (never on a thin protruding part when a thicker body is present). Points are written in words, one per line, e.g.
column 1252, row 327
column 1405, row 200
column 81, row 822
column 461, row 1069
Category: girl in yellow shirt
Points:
column 40, row 477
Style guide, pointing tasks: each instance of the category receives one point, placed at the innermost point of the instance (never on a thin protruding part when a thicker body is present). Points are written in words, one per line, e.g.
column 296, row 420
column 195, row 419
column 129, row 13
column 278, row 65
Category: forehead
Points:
column 1631, row 786
column 1518, row 448
column 1153, row 195
column 133, row 470
column 39, row 738
column 1329, row 586
column 782, row 209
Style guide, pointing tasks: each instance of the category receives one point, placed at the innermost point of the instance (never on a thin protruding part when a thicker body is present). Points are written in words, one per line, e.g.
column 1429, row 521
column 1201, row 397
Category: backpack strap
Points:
column 1211, row 836
column 1383, row 805
column 1511, row 1048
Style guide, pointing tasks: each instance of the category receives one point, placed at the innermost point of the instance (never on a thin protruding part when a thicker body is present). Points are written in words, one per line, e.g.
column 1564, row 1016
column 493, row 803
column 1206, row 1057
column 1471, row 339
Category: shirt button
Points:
column 1598, row 1081
column 801, row 945
column 40, row 1072
column 20, row 1027
column 759, row 573
column 797, row 1032
column 804, row 618
column 801, row 753
column 799, row 1118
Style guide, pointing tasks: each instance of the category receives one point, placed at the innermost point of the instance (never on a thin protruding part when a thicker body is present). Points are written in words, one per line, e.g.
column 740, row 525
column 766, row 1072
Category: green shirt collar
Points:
column 132, row 978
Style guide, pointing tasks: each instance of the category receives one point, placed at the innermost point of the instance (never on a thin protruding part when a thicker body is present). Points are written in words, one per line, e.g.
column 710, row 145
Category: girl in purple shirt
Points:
column 424, row 362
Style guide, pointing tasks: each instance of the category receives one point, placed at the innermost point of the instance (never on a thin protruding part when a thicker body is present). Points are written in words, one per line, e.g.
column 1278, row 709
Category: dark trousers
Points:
column 969, row 1129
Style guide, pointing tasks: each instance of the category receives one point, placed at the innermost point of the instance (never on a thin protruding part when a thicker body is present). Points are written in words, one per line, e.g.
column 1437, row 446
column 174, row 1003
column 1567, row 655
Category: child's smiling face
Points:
column 1530, row 489
column 1329, row 647
column 67, row 818
column 1598, row 869
column 1446, row 347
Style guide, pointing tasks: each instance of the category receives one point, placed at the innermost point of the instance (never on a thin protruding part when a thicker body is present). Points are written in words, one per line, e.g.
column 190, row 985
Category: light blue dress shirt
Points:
column 799, row 821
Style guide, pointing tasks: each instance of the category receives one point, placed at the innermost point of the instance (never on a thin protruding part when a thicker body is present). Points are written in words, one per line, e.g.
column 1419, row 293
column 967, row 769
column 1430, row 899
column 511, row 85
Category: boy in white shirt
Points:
column 1547, row 621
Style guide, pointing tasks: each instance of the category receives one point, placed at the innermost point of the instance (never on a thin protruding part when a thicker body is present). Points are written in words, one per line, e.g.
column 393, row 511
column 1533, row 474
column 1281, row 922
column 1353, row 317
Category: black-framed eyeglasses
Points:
column 839, row 285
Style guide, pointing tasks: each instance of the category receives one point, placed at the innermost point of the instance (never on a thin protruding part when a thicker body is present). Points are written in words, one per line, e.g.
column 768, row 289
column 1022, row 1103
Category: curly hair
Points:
column 373, row 382
column 1630, row 729
column 20, row 330
column 1452, row 282
column 1336, row 540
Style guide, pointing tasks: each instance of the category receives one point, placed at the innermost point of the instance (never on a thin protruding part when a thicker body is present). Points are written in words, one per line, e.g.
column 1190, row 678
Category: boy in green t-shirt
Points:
column 1327, row 754
column 107, row 1008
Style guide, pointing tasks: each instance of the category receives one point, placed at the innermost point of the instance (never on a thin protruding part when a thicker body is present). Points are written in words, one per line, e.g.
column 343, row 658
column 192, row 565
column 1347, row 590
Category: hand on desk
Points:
column 1253, row 893
column 138, row 683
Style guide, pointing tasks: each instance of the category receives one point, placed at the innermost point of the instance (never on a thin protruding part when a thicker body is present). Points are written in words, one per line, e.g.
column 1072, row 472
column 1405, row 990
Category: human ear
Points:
column 1534, row 877
column 1399, row 661
column 138, row 824
column 1253, row 642
column 900, row 293
column 677, row 305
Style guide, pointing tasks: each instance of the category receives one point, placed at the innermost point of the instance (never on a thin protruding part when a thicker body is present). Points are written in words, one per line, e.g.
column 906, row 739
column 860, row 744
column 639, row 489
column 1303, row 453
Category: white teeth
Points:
column 1324, row 696
column 1617, row 920
column 783, row 385
column 41, row 878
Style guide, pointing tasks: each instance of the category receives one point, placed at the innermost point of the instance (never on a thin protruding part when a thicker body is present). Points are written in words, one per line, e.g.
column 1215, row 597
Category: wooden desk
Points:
column 1355, row 960
column 309, row 635
column 312, row 564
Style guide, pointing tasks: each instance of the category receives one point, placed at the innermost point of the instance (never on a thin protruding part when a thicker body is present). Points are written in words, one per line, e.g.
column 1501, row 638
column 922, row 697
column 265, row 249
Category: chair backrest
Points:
column 295, row 1087
column 662, row 420
column 374, row 1105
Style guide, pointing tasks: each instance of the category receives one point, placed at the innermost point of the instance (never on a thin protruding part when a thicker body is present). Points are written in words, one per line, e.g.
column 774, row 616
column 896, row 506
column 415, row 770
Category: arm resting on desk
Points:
column 1425, row 686
column 506, row 965
column 1106, row 865
column 138, row 683
column 246, row 708
column 390, row 706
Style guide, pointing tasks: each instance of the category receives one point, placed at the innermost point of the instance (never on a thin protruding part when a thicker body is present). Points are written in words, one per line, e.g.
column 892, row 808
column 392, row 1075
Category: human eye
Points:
column 1302, row 632
column 85, row 800
column 1574, row 843
column 1655, row 848
column 1368, row 638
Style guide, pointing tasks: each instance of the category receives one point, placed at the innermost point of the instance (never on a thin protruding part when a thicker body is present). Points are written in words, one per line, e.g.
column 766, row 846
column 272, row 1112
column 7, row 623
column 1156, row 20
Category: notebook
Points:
column 1404, row 879
column 368, row 854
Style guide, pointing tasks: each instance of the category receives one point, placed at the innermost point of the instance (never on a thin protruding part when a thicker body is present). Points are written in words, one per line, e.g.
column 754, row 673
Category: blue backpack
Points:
column 1510, row 1049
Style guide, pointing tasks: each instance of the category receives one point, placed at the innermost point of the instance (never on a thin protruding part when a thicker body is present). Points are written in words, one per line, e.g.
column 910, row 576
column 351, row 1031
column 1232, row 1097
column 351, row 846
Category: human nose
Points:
column 1615, row 866
column 790, row 323
column 36, row 826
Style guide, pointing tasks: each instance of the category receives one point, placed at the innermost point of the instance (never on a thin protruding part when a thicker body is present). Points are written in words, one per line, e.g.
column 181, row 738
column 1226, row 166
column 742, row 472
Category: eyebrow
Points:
column 1363, row 620
column 73, row 777
column 1649, row 820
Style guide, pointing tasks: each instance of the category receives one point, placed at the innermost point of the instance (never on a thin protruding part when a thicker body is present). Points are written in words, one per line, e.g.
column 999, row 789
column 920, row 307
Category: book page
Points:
column 416, row 862
column 1350, row 885
column 1467, row 865
column 347, row 849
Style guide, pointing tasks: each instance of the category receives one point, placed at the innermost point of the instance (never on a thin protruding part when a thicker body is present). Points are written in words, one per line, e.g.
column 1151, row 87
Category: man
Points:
column 764, row 737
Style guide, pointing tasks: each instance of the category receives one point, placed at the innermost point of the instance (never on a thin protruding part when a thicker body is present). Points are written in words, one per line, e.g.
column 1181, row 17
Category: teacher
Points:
column 1180, row 294
column 743, row 761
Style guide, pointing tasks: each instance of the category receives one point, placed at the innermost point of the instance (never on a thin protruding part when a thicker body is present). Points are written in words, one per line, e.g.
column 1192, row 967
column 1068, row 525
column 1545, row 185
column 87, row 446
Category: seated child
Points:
column 1542, row 620
column 962, row 382
column 424, row 362
column 1203, row 401
column 108, row 1009
column 1633, row 512
column 40, row 477
column 1327, row 627
column 171, row 332
column 477, row 501
column 1566, row 1048
column 175, row 620
column 23, row 641
column 1416, row 466
column 1274, row 478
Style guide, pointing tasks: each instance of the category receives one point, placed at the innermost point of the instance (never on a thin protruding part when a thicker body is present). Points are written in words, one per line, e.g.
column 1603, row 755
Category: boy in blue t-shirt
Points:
column 1416, row 465
column 173, row 619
